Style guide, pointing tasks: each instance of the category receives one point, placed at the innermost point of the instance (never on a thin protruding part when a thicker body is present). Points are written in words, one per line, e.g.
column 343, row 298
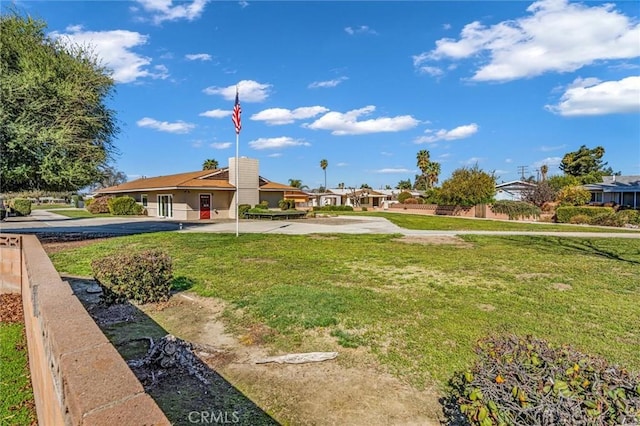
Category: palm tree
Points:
column 424, row 159
column 544, row 169
column 210, row 164
column 341, row 185
column 296, row 183
column 323, row 165
column 432, row 172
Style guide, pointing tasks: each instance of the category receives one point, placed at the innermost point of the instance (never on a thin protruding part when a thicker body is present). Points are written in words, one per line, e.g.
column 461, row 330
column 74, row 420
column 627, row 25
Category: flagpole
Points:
column 237, row 188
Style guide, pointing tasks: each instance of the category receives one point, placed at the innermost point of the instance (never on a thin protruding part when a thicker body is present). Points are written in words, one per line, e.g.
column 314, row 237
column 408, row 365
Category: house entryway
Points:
column 165, row 205
column 205, row 206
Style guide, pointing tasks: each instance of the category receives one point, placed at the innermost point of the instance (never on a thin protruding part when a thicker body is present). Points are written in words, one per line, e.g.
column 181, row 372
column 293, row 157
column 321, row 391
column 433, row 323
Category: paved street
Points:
column 48, row 222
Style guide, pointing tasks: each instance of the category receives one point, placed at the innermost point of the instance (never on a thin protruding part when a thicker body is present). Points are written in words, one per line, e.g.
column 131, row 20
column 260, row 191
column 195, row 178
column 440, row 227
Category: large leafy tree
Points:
column 586, row 164
column 56, row 131
column 468, row 187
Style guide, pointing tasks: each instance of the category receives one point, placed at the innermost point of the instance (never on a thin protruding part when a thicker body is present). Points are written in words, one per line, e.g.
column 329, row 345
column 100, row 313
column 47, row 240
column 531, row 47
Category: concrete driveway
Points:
column 47, row 222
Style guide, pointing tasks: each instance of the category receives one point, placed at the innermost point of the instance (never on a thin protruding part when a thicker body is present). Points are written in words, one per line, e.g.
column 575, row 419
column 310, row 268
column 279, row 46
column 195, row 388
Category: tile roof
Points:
column 200, row 179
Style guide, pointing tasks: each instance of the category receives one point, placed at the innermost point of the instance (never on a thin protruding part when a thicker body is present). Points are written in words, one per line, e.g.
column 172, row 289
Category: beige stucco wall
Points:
column 186, row 203
column 248, row 182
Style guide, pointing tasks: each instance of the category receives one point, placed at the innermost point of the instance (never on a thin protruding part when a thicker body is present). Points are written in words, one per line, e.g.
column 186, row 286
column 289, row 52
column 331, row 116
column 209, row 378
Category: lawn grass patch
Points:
column 450, row 223
column 80, row 213
column 418, row 308
column 16, row 404
column 49, row 206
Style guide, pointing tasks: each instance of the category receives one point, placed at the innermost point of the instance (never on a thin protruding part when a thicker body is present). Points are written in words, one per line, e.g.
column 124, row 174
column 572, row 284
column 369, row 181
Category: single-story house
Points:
column 513, row 190
column 622, row 190
column 346, row 196
column 204, row 194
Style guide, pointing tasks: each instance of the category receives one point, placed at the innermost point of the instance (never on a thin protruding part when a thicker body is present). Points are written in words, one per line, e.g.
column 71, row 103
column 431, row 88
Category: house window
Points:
column 596, row 197
column 144, row 200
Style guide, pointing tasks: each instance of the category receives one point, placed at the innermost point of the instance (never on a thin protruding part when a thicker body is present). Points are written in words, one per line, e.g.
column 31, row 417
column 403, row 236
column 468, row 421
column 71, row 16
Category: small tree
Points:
column 574, row 196
column 540, row 194
column 468, row 187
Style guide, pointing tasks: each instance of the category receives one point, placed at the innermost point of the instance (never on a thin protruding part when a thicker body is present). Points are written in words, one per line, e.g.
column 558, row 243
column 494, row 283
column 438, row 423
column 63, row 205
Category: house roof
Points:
column 204, row 179
column 515, row 185
column 616, row 184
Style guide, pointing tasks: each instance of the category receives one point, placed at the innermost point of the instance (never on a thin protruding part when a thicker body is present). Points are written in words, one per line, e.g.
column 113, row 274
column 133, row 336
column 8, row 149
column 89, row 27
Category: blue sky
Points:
column 365, row 85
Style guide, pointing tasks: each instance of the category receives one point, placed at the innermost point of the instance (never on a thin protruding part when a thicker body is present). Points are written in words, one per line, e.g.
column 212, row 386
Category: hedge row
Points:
column 333, row 209
column 564, row 214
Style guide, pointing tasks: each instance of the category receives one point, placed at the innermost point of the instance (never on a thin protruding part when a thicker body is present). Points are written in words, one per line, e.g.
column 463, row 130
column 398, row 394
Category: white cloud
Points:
column 508, row 160
column 161, row 72
column 165, row 126
column 545, row 148
column 549, row 161
column 164, row 10
column 556, row 36
column 592, row 97
column 275, row 155
column 243, row 3
column 216, row 113
column 445, row 155
column 362, row 29
column 198, row 57
column 342, row 164
column 394, row 171
column 386, row 154
column 277, row 116
column 446, row 26
column 328, row 83
column 249, row 91
column 220, row 145
column 277, row 143
column 347, row 123
column 472, row 161
column 429, row 70
column 114, row 49
column 460, row 132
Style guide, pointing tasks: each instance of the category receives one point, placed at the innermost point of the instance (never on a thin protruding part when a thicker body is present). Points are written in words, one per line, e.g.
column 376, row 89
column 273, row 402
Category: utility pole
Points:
column 522, row 170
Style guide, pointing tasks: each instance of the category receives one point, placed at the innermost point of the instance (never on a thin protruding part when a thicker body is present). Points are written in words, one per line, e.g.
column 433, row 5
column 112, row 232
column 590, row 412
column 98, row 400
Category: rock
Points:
column 94, row 289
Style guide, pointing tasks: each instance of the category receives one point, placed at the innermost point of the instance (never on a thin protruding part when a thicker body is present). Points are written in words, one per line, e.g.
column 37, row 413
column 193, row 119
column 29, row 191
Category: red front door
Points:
column 205, row 206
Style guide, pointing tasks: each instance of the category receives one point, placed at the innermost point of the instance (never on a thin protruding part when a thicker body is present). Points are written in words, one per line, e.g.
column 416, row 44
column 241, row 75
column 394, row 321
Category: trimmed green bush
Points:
column 526, row 381
column 515, row 209
column 264, row 204
column 242, row 209
column 333, row 209
column 608, row 219
column 403, row 196
column 287, row 204
column 142, row 277
column 124, row 206
column 564, row 214
column 99, row 205
column 580, row 219
column 21, row 206
column 629, row 216
column 573, row 196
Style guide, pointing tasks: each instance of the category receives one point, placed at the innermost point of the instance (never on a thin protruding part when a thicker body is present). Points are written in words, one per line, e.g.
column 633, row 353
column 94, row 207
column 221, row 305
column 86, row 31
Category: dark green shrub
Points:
column 420, row 200
column 403, row 196
column 3, row 214
column 264, row 204
column 20, row 206
column 124, row 206
column 608, row 219
column 580, row 219
column 526, row 381
column 515, row 209
column 242, row 209
column 140, row 276
column 287, row 204
column 99, row 205
column 629, row 216
column 564, row 214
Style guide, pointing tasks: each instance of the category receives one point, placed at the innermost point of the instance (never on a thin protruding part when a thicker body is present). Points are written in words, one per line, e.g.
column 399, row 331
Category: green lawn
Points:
column 81, row 213
column 49, row 206
column 16, row 404
column 417, row 308
column 450, row 223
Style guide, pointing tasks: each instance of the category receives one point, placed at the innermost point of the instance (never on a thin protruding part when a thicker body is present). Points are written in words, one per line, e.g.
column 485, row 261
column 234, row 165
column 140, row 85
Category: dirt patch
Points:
column 52, row 245
column 533, row 275
column 561, row 286
column 353, row 389
column 11, row 308
column 331, row 220
column 434, row 240
column 486, row 307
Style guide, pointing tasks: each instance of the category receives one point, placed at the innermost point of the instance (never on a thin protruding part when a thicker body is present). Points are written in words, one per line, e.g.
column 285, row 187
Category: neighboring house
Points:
column 512, row 191
column 204, row 194
column 344, row 197
column 622, row 190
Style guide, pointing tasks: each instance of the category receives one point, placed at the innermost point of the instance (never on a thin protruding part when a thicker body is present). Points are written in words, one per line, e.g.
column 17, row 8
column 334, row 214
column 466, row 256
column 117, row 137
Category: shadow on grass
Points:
column 183, row 397
column 585, row 246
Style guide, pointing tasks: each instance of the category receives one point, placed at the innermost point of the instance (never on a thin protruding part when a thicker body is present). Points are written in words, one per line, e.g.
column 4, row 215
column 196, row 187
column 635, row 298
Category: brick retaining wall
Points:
column 78, row 377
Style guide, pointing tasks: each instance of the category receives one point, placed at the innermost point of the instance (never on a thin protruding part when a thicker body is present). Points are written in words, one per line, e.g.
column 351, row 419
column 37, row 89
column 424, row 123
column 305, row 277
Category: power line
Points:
column 522, row 170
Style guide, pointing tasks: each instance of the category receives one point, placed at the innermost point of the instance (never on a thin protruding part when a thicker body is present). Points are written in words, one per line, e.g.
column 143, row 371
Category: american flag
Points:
column 235, row 117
